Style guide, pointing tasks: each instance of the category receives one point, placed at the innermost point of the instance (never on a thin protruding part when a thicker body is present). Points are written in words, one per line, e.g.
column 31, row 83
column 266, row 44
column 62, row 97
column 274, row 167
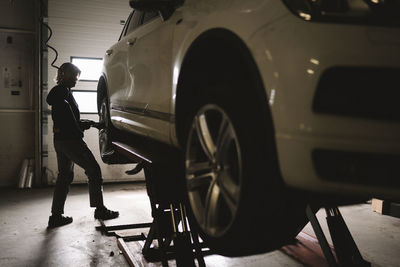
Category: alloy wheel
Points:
column 104, row 138
column 213, row 170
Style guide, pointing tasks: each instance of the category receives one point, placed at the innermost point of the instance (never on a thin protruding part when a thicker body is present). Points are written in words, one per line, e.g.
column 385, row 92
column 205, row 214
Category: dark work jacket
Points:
column 65, row 113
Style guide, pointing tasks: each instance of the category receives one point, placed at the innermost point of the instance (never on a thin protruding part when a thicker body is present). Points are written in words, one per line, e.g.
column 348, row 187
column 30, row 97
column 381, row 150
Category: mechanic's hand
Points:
column 86, row 124
column 99, row 125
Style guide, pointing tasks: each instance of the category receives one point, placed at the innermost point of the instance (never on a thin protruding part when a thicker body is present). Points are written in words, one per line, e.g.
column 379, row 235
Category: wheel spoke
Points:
column 103, row 116
column 229, row 191
column 205, row 137
column 101, row 113
column 211, row 207
column 200, row 180
column 196, row 167
column 198, row 175
column 225, row 136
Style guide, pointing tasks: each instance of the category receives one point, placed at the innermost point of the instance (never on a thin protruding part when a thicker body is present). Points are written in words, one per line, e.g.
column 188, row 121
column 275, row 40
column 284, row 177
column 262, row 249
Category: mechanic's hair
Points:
column 67, row 68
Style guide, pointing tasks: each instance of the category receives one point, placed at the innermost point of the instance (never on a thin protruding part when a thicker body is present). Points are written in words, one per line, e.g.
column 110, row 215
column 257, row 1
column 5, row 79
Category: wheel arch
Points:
column 217, row 54
column 220, row 66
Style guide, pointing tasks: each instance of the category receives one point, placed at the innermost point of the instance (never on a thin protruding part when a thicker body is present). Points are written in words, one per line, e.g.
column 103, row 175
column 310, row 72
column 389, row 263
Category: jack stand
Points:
column 186, row 246
column 183, row 240
column 346, row 249
column 165, row 229
column 176, row 238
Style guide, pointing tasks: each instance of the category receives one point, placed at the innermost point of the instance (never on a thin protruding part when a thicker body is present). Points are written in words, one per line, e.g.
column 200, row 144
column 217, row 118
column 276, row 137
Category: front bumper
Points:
column 292, row 56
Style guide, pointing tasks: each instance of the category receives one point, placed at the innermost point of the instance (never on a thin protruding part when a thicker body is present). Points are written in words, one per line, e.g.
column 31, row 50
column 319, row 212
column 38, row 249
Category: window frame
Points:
column 140, row 20
column 150, row 19
column 125, row 26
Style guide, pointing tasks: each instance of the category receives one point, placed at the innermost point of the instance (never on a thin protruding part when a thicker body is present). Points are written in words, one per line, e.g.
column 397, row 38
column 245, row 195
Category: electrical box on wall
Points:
column 16, row 70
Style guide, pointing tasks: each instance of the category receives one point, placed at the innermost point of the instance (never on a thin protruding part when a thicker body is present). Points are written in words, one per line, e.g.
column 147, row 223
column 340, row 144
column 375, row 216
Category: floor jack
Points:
column 347, row 252
column 176, row 239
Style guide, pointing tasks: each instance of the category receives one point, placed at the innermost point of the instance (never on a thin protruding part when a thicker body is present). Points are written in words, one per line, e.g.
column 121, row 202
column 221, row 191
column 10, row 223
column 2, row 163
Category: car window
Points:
column 149, row 15
column 134, row 22
column 125, row 26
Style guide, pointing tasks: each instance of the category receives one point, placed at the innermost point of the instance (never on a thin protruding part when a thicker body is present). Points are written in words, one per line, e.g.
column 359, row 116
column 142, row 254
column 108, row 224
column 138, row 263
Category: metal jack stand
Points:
column 170, row 222
column 346, row 249
column 183, row 244
column 165, row 229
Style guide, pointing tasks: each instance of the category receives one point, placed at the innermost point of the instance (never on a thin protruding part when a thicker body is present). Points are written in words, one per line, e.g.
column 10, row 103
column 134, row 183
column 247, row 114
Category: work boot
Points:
column 105, row 214
column 58, row 220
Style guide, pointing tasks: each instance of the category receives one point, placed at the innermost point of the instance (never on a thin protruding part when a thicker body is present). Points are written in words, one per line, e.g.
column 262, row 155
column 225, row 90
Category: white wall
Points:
column 84, row 29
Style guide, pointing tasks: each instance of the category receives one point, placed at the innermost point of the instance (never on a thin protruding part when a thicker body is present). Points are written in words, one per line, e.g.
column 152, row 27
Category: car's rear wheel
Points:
column 233, row 181
column 105, row 145
column 107, row 135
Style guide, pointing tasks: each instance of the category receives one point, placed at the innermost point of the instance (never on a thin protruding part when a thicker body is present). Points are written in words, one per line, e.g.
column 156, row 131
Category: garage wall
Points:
column 83, row 29
column 19, row 87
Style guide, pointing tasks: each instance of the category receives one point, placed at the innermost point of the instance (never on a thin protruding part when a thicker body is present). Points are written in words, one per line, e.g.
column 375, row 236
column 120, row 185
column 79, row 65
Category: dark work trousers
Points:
column 68, row 153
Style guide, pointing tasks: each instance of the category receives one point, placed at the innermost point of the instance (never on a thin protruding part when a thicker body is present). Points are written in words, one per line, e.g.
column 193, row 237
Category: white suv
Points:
column 270, row 103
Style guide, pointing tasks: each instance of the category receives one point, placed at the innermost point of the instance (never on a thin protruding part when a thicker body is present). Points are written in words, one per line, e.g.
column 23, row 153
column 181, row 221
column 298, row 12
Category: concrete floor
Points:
column 25, row 241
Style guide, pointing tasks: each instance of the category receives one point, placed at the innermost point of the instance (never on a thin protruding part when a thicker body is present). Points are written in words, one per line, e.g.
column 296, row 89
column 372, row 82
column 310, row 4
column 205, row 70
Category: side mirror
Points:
column 165, row 7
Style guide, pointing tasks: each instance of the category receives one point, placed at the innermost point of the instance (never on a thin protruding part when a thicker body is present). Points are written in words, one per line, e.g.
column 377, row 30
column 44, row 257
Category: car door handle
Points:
column 131, row 41
column 109, row 52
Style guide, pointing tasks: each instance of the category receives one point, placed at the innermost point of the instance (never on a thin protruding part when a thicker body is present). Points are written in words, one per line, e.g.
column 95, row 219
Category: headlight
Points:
column 376, row 12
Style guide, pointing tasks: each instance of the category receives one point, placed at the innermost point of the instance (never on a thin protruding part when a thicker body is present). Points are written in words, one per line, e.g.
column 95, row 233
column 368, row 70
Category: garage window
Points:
column 87, row 101
column 85, row 93
column 90, row 68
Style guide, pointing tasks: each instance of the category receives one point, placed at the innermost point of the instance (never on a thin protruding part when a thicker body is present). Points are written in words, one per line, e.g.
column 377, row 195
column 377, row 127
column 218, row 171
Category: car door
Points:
column 148, row 96
column 118, row 77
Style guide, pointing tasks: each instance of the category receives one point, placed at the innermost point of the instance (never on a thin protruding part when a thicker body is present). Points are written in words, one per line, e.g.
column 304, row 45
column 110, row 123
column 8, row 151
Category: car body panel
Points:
column 290, row 53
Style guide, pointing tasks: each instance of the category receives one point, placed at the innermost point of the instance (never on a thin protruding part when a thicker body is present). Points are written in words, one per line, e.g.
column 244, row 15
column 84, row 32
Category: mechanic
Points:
column 70, row 148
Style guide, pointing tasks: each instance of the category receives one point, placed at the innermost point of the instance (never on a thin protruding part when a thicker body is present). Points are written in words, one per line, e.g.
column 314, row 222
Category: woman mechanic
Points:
column 70, row 148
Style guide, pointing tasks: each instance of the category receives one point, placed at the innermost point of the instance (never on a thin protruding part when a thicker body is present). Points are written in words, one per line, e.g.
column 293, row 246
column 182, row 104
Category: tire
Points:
column 235, row 191
column 105, row 145
column 107, row 135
